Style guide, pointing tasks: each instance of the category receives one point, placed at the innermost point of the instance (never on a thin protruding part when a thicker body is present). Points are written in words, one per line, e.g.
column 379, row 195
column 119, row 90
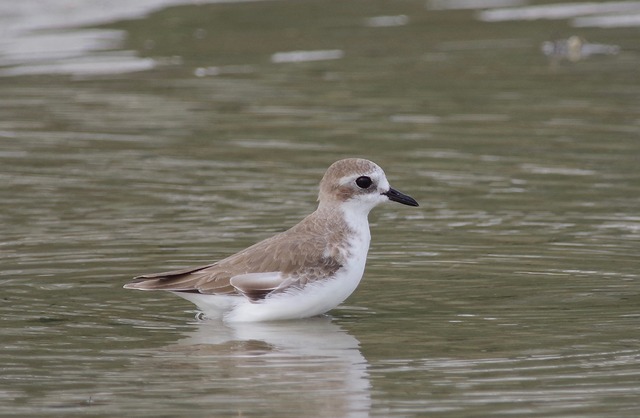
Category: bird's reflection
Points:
column 312, row 364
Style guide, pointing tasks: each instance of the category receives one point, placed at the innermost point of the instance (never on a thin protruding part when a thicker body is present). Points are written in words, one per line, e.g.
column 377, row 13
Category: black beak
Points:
column 396, row 196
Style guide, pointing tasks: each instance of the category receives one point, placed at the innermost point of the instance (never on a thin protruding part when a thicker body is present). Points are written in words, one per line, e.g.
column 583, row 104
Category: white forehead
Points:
column 346, row 171
column 374, row 172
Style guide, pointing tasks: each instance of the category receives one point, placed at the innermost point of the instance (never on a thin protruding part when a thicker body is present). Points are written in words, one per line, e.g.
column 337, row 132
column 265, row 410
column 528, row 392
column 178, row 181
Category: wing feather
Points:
column 256, row 286
column 307, row 252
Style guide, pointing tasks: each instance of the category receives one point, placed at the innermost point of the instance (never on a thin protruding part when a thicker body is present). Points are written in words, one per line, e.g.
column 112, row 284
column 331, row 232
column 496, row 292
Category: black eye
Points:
column 363, row 182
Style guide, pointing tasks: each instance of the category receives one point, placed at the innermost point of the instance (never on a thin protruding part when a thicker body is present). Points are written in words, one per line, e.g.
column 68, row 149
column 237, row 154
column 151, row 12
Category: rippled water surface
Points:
column 174, row 134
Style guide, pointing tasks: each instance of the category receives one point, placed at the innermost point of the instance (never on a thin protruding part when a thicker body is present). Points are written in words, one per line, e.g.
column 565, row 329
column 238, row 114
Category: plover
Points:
column 302, row 272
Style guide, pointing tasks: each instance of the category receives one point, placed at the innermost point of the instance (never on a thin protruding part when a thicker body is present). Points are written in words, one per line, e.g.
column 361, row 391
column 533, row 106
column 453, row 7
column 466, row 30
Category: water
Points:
column 193, row 131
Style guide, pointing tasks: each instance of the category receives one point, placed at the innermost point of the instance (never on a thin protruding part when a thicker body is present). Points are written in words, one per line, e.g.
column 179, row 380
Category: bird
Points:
column 575, row 48
column 302, row 272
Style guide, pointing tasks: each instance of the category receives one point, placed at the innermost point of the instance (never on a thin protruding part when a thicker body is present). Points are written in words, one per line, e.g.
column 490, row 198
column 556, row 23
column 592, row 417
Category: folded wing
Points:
column 273, row 265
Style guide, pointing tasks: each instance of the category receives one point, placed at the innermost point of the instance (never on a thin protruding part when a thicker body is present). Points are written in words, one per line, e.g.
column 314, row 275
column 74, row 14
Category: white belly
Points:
column 314, row 299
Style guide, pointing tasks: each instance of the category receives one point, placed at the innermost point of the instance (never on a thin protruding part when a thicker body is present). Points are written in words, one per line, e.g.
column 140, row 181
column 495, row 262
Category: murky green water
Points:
column 513, row 290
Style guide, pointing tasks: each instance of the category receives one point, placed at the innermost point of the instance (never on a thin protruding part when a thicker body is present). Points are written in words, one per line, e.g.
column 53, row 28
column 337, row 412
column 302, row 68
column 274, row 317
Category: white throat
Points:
column 356, row 218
